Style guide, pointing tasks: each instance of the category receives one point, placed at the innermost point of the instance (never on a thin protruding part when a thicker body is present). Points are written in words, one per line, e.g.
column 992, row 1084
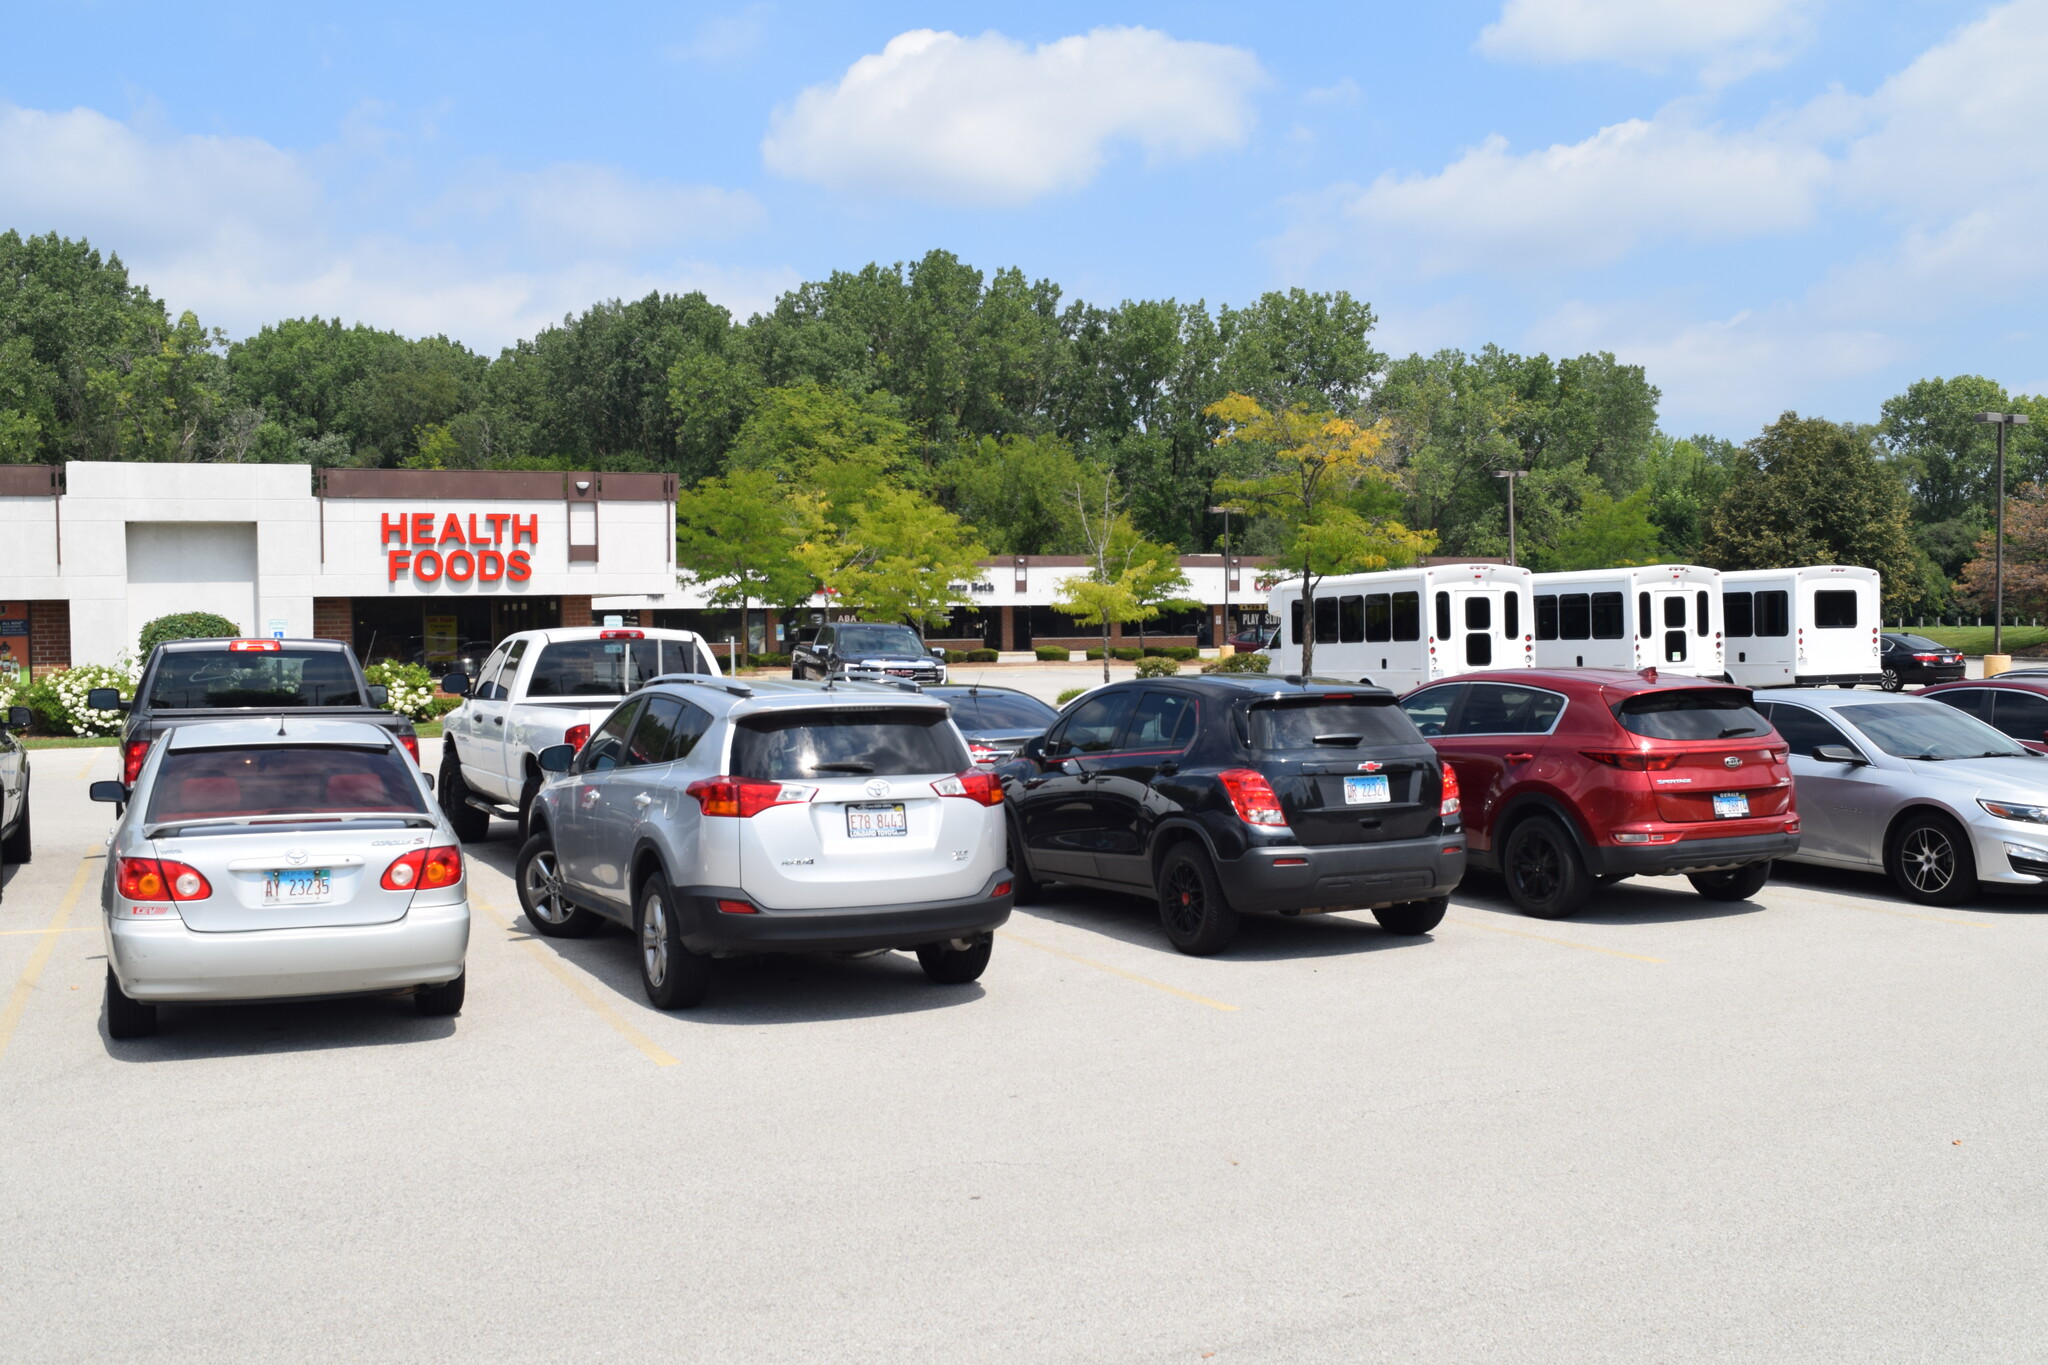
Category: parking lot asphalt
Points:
column 1801, row 1128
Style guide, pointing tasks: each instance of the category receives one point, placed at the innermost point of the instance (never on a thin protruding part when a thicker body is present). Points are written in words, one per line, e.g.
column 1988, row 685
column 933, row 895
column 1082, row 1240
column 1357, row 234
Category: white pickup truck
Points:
column 538, row 688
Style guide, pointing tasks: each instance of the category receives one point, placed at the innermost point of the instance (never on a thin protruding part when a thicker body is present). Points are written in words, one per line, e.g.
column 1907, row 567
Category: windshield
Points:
column 878, row 640
column 608, row 668
column 1000, row 711
column 1927, row 729
column 1703, row 713
column 198, row 784
column 271, row 679
column 862, row 742
column 1338, row 722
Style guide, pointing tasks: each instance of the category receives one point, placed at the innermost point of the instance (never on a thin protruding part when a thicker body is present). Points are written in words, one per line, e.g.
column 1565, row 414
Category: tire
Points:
column 1192, row 908
column 527, row 792
column 1545, row 876
column 956, row 961
column 538, row 875
column 675, row 977
column 127, row 1018
column 1415, row 917
column 1891, row 681
column 471, row 825
column 1736, row 884
column 1025, row 888
column 1931, row 862
column 444, row 999
column 19, row 845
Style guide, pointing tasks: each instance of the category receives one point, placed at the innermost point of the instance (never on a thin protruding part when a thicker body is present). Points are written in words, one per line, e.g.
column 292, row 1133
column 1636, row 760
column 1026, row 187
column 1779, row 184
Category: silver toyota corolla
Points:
column 267, row 859
column 1900, row 784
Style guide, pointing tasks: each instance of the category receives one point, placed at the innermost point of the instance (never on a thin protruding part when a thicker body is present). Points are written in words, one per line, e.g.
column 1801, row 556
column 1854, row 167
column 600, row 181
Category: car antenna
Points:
column 280, row 727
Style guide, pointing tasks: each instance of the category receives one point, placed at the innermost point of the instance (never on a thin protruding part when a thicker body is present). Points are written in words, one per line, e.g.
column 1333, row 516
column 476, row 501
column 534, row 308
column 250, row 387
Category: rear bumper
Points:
column 1689, row 855
column 1839, row 679
column 166, row 962
column 1345, row 877
column 1932, row 673
column 855, row 930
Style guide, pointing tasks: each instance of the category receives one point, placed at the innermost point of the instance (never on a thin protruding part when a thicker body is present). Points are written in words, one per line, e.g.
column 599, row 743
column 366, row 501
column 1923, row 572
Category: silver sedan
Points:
column 270, row 859
column 1933, row 797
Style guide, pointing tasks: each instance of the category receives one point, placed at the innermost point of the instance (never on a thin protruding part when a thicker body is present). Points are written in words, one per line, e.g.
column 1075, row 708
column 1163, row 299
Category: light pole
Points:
column 2001, row 420
column 1224, row 643
column 1511, row 475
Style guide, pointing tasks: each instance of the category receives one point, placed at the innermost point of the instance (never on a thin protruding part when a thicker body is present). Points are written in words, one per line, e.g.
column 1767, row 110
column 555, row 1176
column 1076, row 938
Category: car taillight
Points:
column 132, row 754
column 621, row 635
column 412, row 745
column 576, row 736
column 1253, row 796
column 744, row 797
column 253, row 646
column 1451, row 804
column 1926, row 658
column 981, row 753
column 154, row 879
column 424, row 869
column 1632, row 760
column 975, row 786
column 1004, row 888
column 737, row 908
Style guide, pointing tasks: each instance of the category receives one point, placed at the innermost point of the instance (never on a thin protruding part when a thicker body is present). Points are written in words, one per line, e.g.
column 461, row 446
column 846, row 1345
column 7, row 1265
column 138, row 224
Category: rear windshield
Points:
column 880, row 741
column 1921, row 642
column 1705, row 713
column 609, row 668
column 1339, row 723
column 201, row 679
column 1001, row 711
column 1927, row 729
column 196, row 784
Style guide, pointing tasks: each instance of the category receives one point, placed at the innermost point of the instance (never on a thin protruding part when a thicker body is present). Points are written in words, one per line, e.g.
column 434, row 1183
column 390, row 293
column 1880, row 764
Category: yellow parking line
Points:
column 1560, row 942
column 74, row 929
column 25, row 986
column 1116, row 971
column 582, row 991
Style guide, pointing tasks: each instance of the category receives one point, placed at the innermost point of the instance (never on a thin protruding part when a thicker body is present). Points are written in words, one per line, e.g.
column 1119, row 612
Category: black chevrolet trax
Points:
column 1240, row 794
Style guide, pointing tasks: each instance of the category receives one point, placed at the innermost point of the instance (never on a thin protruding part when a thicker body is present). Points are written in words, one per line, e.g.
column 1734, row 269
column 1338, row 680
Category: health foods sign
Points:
column 482, row 548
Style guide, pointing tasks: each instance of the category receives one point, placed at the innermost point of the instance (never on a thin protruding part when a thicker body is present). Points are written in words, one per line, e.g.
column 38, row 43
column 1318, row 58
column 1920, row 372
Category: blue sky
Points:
column 1770, row 204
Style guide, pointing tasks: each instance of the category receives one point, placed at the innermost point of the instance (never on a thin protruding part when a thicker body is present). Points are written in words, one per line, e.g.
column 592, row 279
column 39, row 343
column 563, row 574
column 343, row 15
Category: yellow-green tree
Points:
column 1317, row 465
column 886, row 551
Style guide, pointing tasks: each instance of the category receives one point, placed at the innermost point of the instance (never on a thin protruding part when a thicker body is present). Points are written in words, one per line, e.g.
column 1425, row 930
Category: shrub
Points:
column 1239, row 663
column 412, row 690
column 1158, row 668
column 1155, row 651
column 1069, row 695
column 981, row 656
column 58, row 699
column 1053, row 654
column 1183, row 652
column 1094, row 655
column 1127, row 655
column 768, row 661
column 184, row 625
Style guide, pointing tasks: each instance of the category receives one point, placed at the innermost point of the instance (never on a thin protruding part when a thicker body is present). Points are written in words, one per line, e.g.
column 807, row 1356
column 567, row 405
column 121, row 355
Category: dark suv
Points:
column 866, row 651
column 1226, row 795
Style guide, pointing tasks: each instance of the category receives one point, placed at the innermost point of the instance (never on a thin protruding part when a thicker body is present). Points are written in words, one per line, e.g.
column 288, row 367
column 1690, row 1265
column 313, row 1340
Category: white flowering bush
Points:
column 412, row 690
column 58, row 699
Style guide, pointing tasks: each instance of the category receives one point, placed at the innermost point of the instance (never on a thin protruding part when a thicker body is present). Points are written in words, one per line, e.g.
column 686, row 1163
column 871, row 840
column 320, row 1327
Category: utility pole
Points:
column 1511, row 475
column 1224, row 643
column 2001, row 420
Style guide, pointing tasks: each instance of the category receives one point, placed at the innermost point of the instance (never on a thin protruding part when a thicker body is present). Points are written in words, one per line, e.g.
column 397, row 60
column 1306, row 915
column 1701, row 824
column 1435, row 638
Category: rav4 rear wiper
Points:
column 1341, row 741
column 847, row 766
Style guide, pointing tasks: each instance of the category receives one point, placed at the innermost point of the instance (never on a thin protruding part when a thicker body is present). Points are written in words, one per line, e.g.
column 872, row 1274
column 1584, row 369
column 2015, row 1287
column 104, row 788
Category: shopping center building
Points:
column 418, row 565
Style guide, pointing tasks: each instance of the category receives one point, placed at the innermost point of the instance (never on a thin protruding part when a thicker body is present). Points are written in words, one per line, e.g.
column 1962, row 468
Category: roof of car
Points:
column 562, row 634
column 282, row 729
column 1257, row 684
column 2031, row 679
column 1608, row 679
column 1827, row 700
column 786, row 693
column 216, row 642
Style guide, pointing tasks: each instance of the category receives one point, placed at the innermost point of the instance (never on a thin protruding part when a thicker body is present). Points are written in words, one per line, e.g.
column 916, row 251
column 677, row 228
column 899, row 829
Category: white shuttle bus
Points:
column 1803, row 627
column 1666, row 616
column 1401, row 628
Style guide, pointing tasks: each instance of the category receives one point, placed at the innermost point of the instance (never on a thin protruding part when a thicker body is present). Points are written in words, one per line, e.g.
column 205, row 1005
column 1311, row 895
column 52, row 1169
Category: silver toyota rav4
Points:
column 715, row 817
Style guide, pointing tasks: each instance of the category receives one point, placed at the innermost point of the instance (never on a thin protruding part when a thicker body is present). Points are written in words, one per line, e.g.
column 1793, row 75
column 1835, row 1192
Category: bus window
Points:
column 1608, row 623
column 1407, row 614
column 1773, row 614
column 1511, row 615
column 1574, row 617
column 1643, row 623
column 1326, row 620
column 1351, row 620
column 1443, row 616
column 1478, row 613
column 1834, row 610
column 1699, row 603
column 1377, row 618
column 1546, row 617
column 1736, row 607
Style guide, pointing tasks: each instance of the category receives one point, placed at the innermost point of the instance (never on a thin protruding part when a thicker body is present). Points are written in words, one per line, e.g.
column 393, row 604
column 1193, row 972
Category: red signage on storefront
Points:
column 483, row 553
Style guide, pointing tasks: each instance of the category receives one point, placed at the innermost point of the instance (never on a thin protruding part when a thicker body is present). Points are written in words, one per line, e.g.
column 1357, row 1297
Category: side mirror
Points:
column 103, row 699
column 380, row 695
column 428, row 778
column 556, row 758
column 1033, row 747
column 116, row 792
column 1838, row 753
column 20, row 718
column 938, row 653
column 456, row 684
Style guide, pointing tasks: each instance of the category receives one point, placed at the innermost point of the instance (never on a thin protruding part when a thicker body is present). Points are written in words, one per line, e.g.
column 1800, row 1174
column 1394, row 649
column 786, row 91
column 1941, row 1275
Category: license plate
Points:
column 876, row 820
column 297, row 886
column 1730, row 805
column 1367, row 791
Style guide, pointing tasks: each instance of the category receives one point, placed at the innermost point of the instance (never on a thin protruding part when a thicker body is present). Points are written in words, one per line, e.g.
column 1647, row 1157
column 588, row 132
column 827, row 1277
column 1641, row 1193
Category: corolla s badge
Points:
column 877, row 787
column 1732, row 761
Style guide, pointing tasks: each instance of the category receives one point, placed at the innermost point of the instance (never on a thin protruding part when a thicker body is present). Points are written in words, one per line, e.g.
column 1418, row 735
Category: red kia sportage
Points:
column 1572, row 776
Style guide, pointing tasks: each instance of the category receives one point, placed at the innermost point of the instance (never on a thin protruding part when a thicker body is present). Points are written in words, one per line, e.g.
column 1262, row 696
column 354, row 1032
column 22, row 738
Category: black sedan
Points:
column 1910, row 659
column 995, row 720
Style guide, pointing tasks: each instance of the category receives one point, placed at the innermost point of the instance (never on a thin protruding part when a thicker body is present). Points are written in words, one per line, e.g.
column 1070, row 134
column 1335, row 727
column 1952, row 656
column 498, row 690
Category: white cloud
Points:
column 244, row 232
column 990, row 120
column 1730, row 38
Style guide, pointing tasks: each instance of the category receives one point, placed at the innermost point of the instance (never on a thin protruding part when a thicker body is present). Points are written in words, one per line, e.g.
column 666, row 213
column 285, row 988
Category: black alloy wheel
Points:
column 1198, row 918
column 1546, row 877
column 1931, row 861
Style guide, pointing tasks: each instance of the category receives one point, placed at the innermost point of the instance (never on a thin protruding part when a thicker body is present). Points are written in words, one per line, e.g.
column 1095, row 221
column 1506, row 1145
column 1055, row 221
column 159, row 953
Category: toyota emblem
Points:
column 877, row 787
column 295, row 857
column 1732, row 761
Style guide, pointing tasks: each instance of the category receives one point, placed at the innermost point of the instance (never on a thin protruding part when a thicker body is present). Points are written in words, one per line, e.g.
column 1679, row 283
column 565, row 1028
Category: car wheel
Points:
column 445, row 998
column 1891, row 681
column 675, row 977
column 1736, row 884
column 1415, row 917
column 526, row 795
column 1025, row 888
column 956, row 961
column 1546, row 877
column 19, row 846
column 542, row 896
column 126, row 1017
column 471, row 825
column 1192, row 907
column 1931, row 861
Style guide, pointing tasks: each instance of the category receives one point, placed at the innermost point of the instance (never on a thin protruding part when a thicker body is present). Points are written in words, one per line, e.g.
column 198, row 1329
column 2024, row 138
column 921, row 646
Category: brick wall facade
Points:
column 576, row 611
column 334, row 619
column 49, row 637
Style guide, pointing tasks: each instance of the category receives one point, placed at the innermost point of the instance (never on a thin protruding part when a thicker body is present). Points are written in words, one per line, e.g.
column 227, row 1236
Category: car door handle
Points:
column 497, row 720
column 1518, row 758
column 643, row 800
column 1168, row 768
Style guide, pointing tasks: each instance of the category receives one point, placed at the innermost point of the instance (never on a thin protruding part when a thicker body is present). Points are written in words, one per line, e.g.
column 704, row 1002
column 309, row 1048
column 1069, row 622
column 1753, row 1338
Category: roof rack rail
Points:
column 726, row 685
